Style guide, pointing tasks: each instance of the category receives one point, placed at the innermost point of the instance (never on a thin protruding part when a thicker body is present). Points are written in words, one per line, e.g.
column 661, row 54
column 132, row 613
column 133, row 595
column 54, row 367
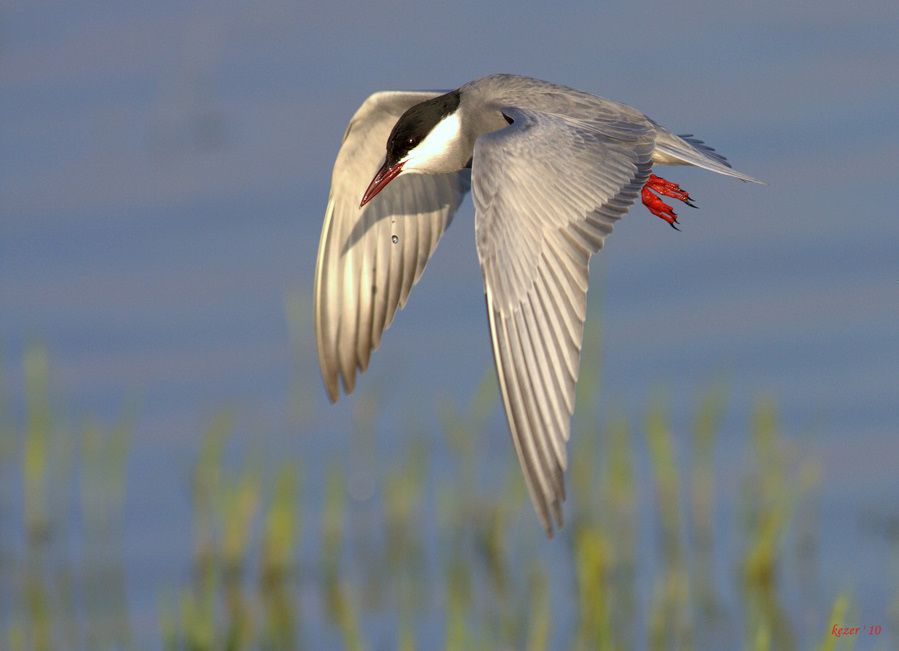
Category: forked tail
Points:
column 687, row 150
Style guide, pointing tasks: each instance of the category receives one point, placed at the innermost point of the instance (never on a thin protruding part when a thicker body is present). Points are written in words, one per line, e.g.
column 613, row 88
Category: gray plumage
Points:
column 552, row 169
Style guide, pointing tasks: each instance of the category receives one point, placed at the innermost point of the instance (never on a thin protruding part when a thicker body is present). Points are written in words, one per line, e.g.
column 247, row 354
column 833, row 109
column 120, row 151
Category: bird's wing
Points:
column 369, row 258
column 547, row 190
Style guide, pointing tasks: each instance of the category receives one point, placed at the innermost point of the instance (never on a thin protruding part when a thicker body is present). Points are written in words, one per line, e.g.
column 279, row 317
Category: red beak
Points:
column 384, row 176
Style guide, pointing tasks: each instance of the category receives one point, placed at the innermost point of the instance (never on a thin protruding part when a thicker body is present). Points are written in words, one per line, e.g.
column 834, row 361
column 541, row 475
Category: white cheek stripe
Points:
column 438, row 141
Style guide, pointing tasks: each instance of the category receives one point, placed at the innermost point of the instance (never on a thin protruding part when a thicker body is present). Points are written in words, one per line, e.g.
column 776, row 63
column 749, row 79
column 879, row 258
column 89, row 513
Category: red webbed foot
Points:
column 656, row 184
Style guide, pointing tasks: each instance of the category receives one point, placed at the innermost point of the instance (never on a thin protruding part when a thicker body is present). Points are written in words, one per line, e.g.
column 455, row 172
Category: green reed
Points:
column 62, row 595
column 278, row 564
column 38, row 442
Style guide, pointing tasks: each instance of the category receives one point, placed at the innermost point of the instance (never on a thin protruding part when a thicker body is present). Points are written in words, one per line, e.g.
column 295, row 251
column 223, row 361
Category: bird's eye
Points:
column 411, row 141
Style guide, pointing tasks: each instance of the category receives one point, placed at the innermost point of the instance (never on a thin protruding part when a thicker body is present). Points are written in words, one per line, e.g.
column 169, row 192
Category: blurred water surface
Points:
column 163, row 174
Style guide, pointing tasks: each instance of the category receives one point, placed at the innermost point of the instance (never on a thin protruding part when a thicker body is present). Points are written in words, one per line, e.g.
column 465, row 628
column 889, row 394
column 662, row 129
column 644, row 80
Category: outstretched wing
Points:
column 369, row 258
column 547, row 190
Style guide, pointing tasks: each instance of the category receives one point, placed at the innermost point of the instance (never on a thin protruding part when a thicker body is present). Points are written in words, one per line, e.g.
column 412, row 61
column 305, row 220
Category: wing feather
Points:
column 370, row 258
column 547, row 190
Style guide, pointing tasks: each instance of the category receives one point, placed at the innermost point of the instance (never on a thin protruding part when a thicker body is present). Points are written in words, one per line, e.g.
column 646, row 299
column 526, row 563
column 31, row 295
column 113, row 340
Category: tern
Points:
column 550, row 169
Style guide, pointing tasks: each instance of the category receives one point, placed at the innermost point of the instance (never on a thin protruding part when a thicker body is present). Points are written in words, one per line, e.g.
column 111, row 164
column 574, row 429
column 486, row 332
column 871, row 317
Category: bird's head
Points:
column 428, row 138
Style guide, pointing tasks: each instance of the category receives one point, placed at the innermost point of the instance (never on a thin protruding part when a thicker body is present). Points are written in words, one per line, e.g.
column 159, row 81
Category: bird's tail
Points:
column 688, row 150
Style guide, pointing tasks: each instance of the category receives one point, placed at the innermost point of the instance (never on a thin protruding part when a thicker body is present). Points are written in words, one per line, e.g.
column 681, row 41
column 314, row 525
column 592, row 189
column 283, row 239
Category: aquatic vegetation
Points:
column 444, row 553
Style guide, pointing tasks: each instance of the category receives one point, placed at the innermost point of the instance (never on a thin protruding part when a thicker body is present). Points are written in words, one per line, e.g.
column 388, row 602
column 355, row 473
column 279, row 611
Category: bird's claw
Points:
column 656, row 184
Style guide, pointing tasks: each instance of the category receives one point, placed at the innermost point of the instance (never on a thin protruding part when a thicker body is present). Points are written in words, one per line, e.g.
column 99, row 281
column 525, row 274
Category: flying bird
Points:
column 550, row 169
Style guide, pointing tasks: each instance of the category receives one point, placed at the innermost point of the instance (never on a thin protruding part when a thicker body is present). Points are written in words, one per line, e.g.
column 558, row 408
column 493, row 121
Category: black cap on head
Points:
column 416, row 123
